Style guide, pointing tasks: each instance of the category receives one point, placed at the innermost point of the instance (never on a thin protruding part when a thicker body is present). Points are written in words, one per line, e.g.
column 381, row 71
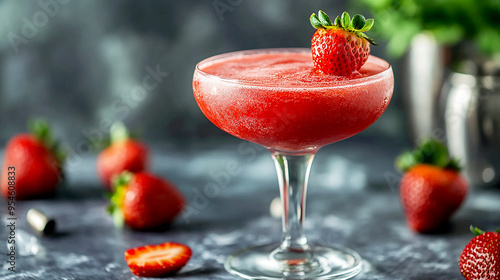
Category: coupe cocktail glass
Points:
column 274, row 98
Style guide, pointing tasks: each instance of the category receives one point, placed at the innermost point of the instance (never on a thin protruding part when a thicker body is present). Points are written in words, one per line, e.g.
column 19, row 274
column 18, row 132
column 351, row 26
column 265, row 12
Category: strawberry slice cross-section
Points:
column 157, row 260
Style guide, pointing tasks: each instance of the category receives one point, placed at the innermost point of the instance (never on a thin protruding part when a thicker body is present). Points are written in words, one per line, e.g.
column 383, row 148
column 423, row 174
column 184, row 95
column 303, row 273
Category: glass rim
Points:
column 353, row 82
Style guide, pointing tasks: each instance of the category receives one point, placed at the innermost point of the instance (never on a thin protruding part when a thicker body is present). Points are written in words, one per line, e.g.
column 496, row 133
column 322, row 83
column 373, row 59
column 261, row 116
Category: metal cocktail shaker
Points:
column 460, row 107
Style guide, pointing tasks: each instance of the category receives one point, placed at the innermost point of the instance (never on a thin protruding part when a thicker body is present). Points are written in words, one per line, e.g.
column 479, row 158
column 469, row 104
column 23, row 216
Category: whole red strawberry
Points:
column 144, row 201
column 340, row 48
column 157, row 260
column 123, row 154
column 480, row 260
column 32, row 164
column 432, row 188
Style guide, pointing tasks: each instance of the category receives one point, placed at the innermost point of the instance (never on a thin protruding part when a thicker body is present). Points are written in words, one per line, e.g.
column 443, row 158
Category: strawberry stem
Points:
column 118, row 132
column 41, row 130
column 476, row 231
column 431, row 152
column 123, row 179
column 119, row 184
column 357, row 25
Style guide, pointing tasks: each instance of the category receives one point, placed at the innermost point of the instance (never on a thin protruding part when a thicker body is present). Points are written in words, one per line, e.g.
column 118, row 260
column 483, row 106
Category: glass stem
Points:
column 293, row 174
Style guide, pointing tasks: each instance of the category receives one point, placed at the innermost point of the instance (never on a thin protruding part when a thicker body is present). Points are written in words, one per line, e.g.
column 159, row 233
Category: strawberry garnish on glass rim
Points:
column 341, row 47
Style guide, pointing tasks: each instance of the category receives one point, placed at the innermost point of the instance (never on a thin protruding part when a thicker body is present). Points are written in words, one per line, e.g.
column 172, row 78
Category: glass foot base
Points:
column 334, row 262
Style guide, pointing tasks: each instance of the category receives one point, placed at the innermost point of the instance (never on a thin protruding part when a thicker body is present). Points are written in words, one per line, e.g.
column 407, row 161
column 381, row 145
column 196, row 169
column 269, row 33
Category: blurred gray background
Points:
column 82, row 64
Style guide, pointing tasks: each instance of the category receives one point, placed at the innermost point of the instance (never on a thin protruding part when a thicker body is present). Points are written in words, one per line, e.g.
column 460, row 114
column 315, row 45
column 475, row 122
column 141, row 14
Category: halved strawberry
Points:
column 157, row 260
column 340, row 48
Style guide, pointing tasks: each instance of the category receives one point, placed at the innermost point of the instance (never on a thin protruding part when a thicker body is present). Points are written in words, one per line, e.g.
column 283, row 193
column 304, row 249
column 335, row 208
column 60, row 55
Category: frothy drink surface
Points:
column 283, row 69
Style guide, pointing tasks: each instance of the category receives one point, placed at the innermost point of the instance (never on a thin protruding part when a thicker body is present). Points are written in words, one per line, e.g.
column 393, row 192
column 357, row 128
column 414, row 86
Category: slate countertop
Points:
column 352, row 200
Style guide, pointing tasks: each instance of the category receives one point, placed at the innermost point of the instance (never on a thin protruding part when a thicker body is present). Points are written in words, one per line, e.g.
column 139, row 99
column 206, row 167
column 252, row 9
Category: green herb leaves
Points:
column 451, row 22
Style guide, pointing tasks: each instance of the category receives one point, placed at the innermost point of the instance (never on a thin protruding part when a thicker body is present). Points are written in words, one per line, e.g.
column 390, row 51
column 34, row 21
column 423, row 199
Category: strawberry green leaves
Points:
column 345, row 20
column 430, row 152
column 337, row 21
column 368, row 25
column 357, row 25
column 324, row 19
column 116, row 198
column 358, row 21
column 406, row 161
column 315, row 21
column 41, row 130
column 476, row 231
column 114, row 207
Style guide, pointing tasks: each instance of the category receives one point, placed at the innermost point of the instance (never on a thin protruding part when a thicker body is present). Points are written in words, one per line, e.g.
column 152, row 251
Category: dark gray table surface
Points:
column 352, row 200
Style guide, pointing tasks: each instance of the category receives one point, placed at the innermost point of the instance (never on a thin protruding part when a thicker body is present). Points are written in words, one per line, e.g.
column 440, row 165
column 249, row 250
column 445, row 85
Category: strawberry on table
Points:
column 144, row 201
column 480, row 260
column 157, row 260
column 341, row 47
column 432, row 188
column 123, row 154
column 36, row 162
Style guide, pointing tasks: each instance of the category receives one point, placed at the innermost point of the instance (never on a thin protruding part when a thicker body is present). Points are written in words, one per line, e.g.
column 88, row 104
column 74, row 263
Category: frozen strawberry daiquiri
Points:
column 275, row 98
column 293, row 103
